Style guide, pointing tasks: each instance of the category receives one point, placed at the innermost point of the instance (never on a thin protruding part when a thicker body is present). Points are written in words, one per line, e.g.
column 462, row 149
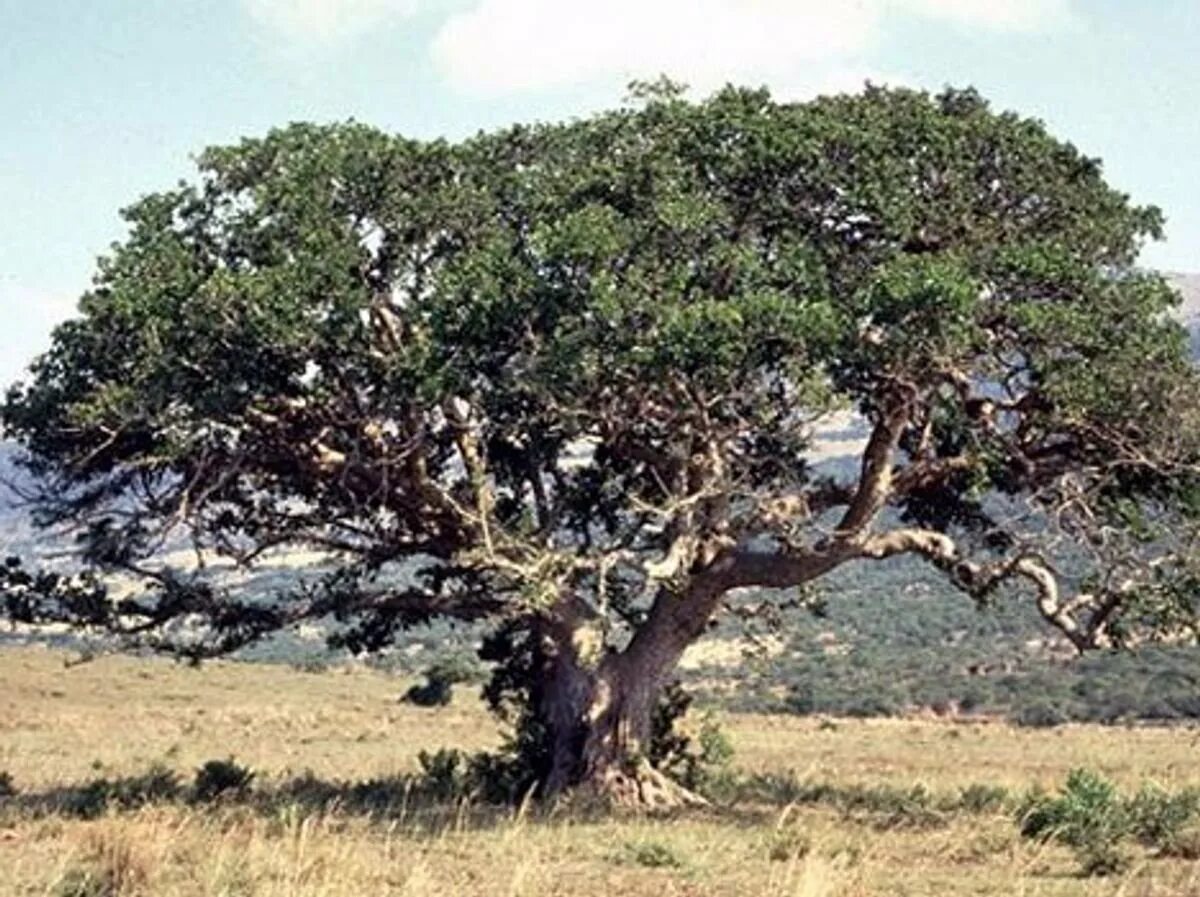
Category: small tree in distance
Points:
column 572, row 379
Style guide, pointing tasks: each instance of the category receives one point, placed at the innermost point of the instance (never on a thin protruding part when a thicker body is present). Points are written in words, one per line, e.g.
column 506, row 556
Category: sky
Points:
column 102, row 101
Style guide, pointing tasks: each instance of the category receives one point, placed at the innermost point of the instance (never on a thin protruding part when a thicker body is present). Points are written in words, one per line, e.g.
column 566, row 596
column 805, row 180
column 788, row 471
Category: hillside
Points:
column 1189, row 288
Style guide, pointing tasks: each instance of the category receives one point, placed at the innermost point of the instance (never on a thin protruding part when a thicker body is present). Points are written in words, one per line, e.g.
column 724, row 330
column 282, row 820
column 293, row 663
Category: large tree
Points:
column 576, row 380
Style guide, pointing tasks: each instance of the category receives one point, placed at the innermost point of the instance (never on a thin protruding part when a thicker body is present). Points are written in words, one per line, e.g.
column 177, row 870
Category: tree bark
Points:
column 597, row 725
column 614, row 759
column 560, row 698
column 598, row 716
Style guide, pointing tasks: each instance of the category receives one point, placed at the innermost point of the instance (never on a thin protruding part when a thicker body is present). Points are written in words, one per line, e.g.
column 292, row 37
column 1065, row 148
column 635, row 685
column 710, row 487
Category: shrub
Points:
column 154, row 786
column 82, row 881
column 1102, row 858
column 652, row 854
column 431, row 693
column 695, row 762
column 895, row 807
column 221, row 778
column 313, row 665
column 1165, row 821
column 983, row 798
column 787, row 844
column 7, row 788
column 114, row 865
column 445, row 774
column 871, row 705
column 1184, row 844
column 1087, row 815
column 440, row 678
column 1039, row 715
column 93, row 799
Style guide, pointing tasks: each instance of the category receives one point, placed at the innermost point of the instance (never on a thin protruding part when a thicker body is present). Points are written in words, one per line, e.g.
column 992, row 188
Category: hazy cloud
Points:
column 1008, row 15
column 502, row 46
column 510, row 45
column 323, row 21
column 30, row 314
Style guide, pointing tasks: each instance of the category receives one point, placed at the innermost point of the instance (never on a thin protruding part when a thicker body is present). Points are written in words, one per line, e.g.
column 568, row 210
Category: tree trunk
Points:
column 598, row 727
column 560, row 699
column 598, row 718
column 614, row 760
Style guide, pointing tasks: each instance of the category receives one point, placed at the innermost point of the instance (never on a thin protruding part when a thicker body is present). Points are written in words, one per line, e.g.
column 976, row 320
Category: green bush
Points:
column 88, row 801
column 1039, row 715
column 983, row 798
column 431, row 693
column 445, row 774
column 1092, row 818
column 221, row 778
column 652, row 855
column 1087, row 815
column 1184, row 844
column 84, row 882
column 787, row 844
column 1165, row 822
column 440, row 678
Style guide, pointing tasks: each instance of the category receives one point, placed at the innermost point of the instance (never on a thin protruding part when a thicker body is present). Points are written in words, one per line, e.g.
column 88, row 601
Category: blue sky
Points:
column 104, row 100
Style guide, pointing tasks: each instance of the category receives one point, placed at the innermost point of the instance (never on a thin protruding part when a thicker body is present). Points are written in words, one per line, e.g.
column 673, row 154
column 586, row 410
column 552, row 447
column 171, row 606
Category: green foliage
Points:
column 1090, row 816
column 440, row 679
column 652, row 855
column 503, row 377
column 1087, row 810
column 1040, row 714
column 883, row 807
column 493, row 777
column 156, row 785
column 86, row 882
column 696, row 763
column 431, row 693
column 904, row 641
column 1167, row 822
column 218, row 779
column 786, row 844
column 444, row 774
column 983, row 798
column 789, row 258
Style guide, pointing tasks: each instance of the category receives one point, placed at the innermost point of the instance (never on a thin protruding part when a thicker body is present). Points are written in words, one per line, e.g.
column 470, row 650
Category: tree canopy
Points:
column 577, row 378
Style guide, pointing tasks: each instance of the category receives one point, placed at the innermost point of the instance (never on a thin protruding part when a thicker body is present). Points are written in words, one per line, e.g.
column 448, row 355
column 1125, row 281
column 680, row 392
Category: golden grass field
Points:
column 117, row 716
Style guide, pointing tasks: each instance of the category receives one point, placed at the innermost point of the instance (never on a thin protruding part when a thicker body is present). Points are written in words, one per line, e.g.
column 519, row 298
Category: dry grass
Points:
column 118, row 716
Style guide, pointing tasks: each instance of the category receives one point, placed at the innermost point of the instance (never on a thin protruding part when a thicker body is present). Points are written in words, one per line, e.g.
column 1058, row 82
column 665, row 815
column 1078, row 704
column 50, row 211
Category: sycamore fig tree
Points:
column 577, row 379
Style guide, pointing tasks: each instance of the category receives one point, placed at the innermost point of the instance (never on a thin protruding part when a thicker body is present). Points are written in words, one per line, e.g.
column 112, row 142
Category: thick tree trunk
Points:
column 598, row 717
column 597, row 726
column 614, row 762
column 560, row 703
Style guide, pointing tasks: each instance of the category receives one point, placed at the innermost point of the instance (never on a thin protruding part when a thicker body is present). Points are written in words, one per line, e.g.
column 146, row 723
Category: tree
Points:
column 574, row 379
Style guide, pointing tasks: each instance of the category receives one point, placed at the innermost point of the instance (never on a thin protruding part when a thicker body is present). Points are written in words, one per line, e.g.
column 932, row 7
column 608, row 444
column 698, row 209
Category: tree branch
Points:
column 979, row 579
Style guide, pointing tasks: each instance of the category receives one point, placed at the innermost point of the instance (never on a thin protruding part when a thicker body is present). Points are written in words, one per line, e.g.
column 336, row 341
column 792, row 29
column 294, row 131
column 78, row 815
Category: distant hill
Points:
column 1189, row 286
column 17, row 533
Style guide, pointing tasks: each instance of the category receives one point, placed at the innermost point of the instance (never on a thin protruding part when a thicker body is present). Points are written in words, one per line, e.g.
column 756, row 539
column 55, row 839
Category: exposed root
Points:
column 642, row 787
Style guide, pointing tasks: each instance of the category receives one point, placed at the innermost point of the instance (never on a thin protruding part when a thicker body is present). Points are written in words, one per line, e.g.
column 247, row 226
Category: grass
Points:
column 863, row 808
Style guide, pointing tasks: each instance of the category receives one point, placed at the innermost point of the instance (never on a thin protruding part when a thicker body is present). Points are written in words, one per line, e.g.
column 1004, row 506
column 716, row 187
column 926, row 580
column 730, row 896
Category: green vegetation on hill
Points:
column 893, row 639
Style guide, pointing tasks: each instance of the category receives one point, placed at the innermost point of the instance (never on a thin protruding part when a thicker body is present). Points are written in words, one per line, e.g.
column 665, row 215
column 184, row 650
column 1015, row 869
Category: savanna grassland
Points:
column 876, row 807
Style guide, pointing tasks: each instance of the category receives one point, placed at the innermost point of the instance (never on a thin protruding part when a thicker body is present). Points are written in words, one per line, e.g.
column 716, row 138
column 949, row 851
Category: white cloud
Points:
column 325, row 21
column 29, row 314
column 511, row 45
column 504, row 46
column 1008, row 15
